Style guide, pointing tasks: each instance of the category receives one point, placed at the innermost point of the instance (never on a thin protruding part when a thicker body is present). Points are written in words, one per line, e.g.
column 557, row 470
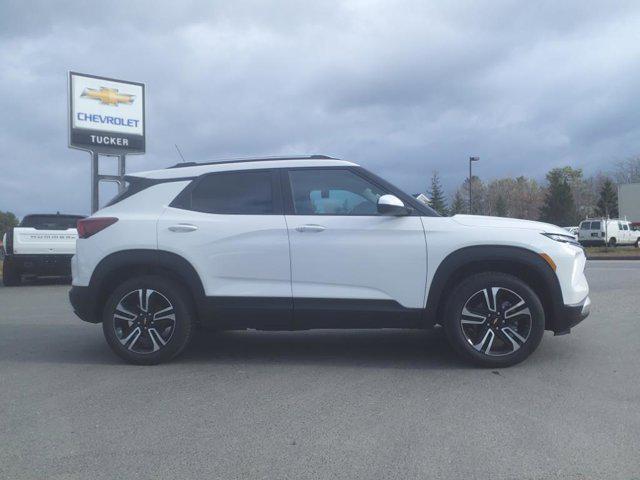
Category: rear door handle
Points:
column 183, row 227
column 311, row 228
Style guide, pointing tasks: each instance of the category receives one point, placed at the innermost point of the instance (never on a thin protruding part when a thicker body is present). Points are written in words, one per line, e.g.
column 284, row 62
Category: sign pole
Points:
column 95, row 182
column 122, row 165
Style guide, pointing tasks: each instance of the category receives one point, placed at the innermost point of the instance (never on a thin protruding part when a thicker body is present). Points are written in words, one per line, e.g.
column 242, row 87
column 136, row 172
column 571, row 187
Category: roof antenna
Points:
column 180, row 153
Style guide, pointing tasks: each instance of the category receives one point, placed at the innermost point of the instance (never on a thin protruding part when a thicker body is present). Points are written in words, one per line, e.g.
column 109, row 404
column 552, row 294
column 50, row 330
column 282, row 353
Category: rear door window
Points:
column 585, row 225
column 595, row 225
column 233, row 193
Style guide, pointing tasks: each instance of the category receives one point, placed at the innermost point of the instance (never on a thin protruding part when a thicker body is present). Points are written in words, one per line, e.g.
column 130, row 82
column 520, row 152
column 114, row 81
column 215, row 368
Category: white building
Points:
column 629, row 201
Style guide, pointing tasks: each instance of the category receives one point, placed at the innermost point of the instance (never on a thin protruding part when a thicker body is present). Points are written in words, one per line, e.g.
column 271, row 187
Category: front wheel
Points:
column 613, row 242
column 148, row 320
column 494, row 320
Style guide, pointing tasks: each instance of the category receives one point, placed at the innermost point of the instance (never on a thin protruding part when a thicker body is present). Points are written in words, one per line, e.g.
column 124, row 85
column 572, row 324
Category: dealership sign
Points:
column 106, row 115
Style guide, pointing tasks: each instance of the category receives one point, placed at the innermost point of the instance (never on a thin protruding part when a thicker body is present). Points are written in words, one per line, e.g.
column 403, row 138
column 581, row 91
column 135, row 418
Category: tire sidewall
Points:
column 184, row 319
column 453, row 326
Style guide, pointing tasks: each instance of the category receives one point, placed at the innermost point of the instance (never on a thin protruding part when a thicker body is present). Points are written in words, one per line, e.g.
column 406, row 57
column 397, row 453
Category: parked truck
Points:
column 41, row 245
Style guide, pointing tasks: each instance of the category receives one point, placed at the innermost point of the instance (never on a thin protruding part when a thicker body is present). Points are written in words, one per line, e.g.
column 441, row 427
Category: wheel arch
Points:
column 120, row 266
column 519, row 262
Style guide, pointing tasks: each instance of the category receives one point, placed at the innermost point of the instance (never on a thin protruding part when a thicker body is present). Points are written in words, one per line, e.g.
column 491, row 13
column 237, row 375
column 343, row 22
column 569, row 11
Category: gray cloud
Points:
column 404, row 88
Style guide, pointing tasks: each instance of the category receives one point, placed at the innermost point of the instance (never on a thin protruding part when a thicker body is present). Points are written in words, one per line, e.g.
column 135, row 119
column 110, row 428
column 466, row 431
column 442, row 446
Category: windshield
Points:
column 50, row 222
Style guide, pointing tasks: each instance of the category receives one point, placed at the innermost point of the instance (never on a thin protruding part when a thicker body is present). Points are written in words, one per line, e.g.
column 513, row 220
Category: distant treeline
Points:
column 565, row 198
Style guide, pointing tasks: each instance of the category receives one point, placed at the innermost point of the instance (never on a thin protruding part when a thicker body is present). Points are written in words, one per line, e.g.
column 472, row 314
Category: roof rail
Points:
column 254, row 159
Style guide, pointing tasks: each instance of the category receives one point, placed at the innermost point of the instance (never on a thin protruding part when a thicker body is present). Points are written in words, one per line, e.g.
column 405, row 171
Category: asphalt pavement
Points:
column 321, row 404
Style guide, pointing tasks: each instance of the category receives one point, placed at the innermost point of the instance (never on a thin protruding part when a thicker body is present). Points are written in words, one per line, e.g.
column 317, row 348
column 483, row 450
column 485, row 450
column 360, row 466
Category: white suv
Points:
column 314, row 242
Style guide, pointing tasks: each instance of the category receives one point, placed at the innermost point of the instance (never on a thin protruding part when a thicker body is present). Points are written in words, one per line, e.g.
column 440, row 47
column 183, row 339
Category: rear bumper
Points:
column 41, row 264
column 570, row 316
column 83, row 303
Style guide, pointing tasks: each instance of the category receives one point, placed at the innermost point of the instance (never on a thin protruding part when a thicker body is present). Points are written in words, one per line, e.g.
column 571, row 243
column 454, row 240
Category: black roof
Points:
column 254, row 159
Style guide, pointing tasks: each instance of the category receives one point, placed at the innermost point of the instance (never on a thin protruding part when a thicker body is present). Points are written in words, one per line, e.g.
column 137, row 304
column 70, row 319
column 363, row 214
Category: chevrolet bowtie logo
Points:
column 109, row 96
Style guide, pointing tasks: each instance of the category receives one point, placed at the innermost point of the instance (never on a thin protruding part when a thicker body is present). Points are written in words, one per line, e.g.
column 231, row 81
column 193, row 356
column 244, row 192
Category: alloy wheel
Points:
column 496, row 321
column 144, row 320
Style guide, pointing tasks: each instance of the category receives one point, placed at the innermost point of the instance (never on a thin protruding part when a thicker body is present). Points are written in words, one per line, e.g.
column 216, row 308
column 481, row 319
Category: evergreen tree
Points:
column 501, row 207
column 458, row 205
column 608, row 201
column 438, row 200
column 558, row 207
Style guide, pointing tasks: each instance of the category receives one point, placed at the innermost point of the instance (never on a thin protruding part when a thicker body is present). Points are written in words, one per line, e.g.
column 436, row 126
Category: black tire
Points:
column 11, row 276
column 638, row 243
column 152, row 330
column 519, row 326
column 613, row 242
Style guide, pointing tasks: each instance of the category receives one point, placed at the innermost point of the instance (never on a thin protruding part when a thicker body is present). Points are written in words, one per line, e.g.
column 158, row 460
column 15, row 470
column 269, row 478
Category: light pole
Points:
column 471, row 160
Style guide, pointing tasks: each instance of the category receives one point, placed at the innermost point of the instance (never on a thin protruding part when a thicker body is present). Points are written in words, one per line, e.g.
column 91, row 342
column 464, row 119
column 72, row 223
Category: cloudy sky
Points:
column 403, row 88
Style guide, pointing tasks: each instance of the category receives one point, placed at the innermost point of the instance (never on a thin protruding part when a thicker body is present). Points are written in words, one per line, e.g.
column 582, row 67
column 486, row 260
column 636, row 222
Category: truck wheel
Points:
column 613, row 242
column 148, row 320
column 494, row 320
column 638, row 243
column 11, row 276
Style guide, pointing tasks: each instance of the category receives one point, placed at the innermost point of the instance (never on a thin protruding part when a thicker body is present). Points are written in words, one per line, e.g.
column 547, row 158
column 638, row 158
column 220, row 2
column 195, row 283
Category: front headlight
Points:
column 558, row 237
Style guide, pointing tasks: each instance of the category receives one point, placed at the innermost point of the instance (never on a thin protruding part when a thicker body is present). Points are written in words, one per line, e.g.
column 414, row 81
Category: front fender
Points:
column 525, row 264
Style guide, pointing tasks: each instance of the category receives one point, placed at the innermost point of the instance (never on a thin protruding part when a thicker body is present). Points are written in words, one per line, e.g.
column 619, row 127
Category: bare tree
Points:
column 527, row 199
column 627, row 171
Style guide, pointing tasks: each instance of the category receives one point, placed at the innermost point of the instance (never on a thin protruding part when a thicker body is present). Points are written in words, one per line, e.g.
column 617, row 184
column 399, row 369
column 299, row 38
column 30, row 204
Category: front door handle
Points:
column 183, row 227
column 311, row 228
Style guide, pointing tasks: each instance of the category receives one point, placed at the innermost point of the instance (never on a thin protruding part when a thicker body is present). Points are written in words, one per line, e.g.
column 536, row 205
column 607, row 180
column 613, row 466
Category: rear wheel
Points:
column 11, row 276
column 638, row 243
column 494, row 320
column 148, row 320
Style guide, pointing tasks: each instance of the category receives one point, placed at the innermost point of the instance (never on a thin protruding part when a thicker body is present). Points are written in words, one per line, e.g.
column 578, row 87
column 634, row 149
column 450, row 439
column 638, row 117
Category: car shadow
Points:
column 389, row 348
column 46, row 281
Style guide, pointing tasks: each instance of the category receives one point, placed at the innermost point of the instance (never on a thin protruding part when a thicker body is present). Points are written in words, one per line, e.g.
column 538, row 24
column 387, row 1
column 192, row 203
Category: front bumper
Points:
column 83, row 303
column 571, row 316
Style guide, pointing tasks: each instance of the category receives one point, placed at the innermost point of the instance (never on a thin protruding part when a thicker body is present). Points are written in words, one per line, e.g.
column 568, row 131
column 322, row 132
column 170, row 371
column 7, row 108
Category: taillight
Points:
column 8, row 248
column 91, row 226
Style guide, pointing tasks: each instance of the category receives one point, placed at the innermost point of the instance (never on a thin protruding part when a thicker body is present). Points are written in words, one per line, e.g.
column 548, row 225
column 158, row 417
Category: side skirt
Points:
column 261, row 313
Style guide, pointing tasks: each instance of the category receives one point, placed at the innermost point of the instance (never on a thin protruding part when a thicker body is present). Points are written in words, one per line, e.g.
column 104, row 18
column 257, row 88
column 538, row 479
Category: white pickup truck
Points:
column 40, row 245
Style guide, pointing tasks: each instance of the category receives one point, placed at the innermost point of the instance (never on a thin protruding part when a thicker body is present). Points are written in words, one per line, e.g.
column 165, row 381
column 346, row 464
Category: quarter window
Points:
column 333, row 192
column 242, row 193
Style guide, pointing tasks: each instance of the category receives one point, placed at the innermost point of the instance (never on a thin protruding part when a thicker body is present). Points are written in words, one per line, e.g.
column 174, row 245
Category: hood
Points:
column 500, row 222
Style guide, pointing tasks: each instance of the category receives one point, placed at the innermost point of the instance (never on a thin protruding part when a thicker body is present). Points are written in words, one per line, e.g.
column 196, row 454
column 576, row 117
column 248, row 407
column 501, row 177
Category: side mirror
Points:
column 392, row 205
